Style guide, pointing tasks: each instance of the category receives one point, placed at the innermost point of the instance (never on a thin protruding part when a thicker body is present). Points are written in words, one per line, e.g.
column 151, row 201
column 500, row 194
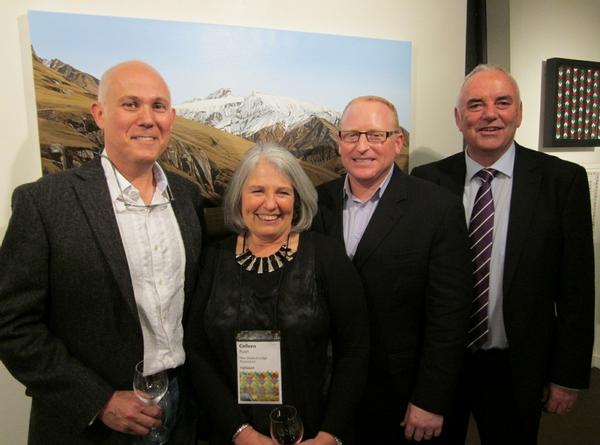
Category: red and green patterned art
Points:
column 578, row 98
column 571, row 108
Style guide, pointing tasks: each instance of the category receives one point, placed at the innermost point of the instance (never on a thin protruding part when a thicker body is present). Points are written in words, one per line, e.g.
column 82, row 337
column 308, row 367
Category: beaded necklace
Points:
column 252, row 263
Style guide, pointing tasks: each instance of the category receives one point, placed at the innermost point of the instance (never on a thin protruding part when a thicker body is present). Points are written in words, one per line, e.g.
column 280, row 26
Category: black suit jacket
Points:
column 69, row 327
column 414, row 263
column 548, row 282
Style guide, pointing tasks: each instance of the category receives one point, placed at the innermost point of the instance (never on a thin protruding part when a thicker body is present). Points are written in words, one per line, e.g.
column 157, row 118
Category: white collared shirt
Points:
column 501, row 193
column 156, row 260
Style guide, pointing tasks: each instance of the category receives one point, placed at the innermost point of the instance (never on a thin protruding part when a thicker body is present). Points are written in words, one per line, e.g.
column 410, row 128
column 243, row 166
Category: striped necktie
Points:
column 481, row 235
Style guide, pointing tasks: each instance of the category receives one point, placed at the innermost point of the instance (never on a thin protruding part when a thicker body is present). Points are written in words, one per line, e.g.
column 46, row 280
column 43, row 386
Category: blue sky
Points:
column 197, row 59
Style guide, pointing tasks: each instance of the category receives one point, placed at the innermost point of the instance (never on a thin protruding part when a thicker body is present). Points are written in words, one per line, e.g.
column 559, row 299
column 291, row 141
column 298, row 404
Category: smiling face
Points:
column 367, row 163
column 488, row 114
column 268, row 203
column 134, row 110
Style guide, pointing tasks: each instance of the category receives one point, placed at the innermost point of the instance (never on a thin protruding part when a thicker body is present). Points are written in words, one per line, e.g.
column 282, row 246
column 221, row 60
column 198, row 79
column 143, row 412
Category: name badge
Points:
column 259, row 367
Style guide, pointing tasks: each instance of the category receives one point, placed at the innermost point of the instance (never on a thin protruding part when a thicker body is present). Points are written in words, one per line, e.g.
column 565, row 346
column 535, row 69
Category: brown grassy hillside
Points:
column 69, row 137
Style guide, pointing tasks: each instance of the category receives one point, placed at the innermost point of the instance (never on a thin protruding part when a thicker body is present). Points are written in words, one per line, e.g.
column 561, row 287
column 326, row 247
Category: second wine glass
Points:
column 286, row 425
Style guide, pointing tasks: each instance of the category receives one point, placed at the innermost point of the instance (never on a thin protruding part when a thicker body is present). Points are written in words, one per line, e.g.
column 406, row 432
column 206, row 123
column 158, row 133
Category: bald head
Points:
column 134, row 110
column 123, row 70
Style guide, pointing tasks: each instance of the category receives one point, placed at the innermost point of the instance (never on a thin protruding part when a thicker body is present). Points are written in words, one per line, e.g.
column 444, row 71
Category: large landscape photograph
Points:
column 232, row 87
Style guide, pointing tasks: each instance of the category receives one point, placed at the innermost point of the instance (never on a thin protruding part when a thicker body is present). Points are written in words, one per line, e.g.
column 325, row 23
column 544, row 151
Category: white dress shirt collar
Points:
column 117, row 183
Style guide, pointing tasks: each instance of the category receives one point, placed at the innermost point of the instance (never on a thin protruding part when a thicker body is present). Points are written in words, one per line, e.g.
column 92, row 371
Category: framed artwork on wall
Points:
column 571, row 111
column 232, row 87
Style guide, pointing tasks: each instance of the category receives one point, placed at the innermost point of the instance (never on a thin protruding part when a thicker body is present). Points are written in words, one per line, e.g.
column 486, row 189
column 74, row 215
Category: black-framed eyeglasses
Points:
column 373, row 136
column 132, row 206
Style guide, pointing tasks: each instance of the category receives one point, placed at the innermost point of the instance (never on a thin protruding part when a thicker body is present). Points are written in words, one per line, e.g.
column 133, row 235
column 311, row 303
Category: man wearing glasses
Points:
column 408, row 240
column 96, row 268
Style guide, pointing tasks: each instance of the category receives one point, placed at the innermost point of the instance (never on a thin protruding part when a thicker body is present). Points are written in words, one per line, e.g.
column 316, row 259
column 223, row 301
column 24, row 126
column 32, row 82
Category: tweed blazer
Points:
column 69, row 327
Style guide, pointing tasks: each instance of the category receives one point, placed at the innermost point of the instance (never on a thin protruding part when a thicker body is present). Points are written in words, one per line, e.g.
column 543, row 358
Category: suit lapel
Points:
column 455, row 181
column 335, row 222
column 187, row 220
column 391, row 207
column 525, row 191
column 92, row 190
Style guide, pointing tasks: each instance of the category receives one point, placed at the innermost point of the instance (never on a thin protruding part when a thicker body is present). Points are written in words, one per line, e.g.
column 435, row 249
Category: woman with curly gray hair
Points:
column 279, row 317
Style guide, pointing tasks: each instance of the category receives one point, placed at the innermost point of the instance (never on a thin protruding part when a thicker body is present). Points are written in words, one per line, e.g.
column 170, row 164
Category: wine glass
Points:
column 286, row 425
column 150, row 389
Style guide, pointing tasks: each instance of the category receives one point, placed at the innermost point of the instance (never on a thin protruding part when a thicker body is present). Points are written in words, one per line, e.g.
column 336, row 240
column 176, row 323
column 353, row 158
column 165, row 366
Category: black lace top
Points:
column 317, row 303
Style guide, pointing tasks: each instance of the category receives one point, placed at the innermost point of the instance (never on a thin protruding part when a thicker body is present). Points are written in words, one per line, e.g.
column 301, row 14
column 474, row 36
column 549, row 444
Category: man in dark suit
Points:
column 533, row 342
column 407, row 239
column 94, row 268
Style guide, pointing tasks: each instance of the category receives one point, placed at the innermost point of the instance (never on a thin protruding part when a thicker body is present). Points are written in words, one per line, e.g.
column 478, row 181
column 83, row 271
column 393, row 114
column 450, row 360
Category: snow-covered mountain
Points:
column 245, row 116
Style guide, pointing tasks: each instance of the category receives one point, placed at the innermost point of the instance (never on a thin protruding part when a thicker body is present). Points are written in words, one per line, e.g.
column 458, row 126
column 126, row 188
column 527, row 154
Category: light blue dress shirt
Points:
column 501, row 193
column 357, row 213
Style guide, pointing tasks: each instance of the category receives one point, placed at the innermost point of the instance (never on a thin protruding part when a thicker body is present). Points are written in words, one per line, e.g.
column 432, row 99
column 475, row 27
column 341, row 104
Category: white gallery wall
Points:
column 435, row 27
column 534, row 30
column 541, row 30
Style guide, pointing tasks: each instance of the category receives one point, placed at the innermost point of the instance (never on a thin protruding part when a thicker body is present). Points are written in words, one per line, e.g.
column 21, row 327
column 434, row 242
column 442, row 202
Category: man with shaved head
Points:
column 531, row 329
column 96, row 268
